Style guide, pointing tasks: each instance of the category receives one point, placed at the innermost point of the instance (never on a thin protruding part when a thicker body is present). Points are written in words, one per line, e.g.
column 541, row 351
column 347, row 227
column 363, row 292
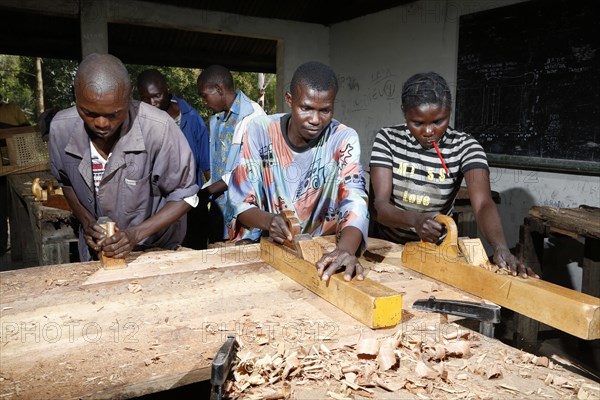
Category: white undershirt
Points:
column 99, row 166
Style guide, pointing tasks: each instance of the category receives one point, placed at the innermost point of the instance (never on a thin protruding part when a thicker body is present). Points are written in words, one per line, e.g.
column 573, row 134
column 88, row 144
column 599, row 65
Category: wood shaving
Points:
column 588, row 392
column 561, row 381
column 425, row 371
column 494, row 372
column 541, row 361
column 435, row 352
column 510, row 388
column 383, row 268
column 134, row 287
column 367, row 348
column 425, row 365
column 379, row 382
column 336, row 396
column 386, row 356
column 459, row 348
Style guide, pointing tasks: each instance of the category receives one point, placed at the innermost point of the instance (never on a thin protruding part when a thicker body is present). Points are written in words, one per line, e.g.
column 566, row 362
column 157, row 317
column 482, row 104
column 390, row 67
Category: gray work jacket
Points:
column 150, row 165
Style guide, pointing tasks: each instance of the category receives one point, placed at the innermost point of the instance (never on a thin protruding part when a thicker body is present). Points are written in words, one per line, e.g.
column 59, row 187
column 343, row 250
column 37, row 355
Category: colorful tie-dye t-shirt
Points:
column 323, row 183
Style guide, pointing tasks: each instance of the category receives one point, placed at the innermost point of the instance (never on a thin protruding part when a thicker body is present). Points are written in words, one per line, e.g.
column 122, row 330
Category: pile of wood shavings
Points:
column 495, row 269
column 448, row 367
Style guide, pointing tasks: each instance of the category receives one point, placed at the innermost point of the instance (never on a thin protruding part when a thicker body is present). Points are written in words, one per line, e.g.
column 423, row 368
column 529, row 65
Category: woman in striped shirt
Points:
column 417, row 169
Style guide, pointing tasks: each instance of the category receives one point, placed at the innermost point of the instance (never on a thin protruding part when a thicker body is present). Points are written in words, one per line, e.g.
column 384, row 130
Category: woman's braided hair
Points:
column 425, row 88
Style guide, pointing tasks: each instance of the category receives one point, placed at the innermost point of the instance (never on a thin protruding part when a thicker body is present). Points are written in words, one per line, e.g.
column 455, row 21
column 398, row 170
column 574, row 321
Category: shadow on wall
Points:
column 513, row 208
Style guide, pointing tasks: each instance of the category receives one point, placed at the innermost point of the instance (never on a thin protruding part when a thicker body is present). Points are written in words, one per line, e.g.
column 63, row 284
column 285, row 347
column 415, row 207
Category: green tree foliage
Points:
column 17, row 79
column 18, row 84
column 58, row 82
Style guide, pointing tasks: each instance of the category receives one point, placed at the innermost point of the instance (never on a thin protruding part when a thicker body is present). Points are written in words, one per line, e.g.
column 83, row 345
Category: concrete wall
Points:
column 375, row 54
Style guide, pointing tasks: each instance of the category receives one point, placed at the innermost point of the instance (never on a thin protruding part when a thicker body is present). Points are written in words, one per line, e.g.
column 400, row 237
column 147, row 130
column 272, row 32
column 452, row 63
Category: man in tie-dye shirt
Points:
column 309, row 163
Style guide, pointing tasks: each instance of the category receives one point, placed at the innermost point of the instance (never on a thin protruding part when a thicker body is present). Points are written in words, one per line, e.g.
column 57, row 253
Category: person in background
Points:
column 122, row 159
column 309, row 163
column 411, row 184
column 11, row 116
column 44, row 120
column 153, row 89
column 233, row 111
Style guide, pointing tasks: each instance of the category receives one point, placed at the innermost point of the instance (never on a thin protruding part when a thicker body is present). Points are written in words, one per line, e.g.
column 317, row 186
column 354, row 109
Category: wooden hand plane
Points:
column 370, row 302
column 302, row 244
column 562, row 308
column 49, row 195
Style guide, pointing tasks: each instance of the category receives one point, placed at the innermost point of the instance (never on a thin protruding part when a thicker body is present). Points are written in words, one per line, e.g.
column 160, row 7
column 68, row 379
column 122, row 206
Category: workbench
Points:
column 544, row 222
column 79, row 331
column 39, row 235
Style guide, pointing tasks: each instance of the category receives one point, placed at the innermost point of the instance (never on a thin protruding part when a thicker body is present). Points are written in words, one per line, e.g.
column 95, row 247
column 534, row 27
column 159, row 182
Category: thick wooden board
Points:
column 79, row 331
column 371, row 303
column 565, row 309
column 584, row 221
column 92, row 338
column 76, row 331
column 155, row 263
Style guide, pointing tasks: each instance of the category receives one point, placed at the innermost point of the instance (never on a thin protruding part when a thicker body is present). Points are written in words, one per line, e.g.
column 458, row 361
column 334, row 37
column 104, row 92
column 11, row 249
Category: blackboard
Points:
column 528, row 84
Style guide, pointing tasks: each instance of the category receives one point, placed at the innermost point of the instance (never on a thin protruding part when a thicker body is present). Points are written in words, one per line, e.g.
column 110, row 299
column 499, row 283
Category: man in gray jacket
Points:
column 122, row 159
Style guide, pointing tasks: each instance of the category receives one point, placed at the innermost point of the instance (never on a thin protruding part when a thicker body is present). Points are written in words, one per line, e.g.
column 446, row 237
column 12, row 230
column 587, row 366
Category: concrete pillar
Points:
column 94, row 26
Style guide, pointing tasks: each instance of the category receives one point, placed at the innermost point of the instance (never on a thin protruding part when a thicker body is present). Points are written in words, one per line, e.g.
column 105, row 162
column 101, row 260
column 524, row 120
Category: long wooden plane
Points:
column 568, row 310
column 370, row 302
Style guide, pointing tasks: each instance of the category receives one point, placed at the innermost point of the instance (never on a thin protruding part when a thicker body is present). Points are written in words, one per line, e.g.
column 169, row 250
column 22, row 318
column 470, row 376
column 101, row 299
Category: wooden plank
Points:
column 93, row 337
column 141, row 342
column 156, row 263
column 15, row 169
column 55, row 319
column 565, row 309
column 156, row 384
column 584, row 221
column 561, row 231
column 371, row 303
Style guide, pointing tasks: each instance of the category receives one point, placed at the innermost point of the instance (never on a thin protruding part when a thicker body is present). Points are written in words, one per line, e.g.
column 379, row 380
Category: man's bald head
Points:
column 99, row 75
column 102, row 97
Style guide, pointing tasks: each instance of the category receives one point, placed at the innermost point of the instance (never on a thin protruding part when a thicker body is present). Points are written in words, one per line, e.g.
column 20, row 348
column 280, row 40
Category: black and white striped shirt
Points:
column 420, row 182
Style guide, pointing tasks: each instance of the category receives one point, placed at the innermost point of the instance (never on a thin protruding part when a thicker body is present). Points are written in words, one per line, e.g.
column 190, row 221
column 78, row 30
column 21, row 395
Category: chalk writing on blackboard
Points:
column 529, row 80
